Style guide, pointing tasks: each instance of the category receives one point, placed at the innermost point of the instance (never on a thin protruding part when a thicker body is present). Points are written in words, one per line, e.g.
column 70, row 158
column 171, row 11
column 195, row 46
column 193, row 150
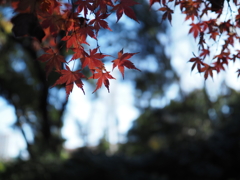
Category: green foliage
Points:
column 193, row 118
column 2, row 167
column 31, row 170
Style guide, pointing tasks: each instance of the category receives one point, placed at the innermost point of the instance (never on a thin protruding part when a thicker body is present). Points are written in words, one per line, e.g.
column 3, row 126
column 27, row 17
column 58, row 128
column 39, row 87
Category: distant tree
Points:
column 38, row 110
column 194, row 118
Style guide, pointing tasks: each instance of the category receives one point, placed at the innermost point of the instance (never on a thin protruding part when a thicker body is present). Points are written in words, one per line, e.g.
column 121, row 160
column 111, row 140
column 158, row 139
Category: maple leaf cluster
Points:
column 214, row 29
column 44, row 19
column 78, row 20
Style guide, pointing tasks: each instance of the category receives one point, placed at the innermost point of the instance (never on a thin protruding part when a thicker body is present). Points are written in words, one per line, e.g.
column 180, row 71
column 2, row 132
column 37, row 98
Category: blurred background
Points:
column 163, row 123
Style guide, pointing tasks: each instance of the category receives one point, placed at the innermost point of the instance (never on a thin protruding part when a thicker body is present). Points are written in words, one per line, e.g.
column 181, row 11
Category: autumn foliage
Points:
column 214, row 23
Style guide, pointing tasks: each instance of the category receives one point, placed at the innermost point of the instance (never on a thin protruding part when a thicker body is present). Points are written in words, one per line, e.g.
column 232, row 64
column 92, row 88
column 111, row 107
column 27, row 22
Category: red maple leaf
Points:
column 190, row 8
column 124, row 7
column 33, row 6
column 196, row 62
column 72, row 41
column 93, row 60
column 53, row 60
column 78, row 53
column 236, row 56
column 204, row 53
column 84, row 6
column 98, row 22
column 102, row 4
column 214, row 35
column 102, row 75
column 24, row 6
column 195, row 29
column 208, row 70
column 222, row 59
column 167, row 14
column 83, row 32
column 54, row 22
column 122, row 61
column 79, row 33
column 219, row 66
column 69, row 78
